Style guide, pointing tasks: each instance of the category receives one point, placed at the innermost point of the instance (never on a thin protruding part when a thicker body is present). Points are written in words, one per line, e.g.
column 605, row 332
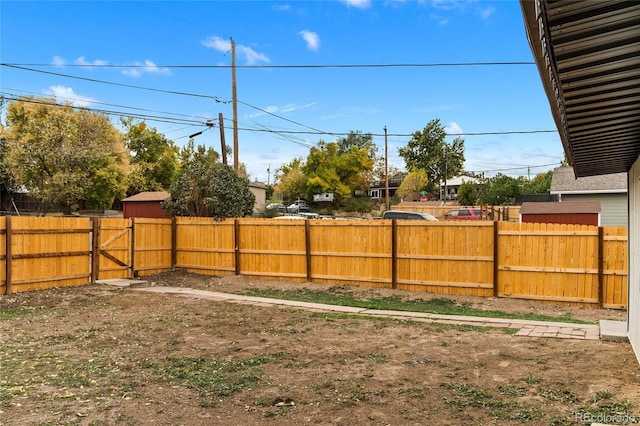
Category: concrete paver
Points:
column 526, row 328
column 607, row 330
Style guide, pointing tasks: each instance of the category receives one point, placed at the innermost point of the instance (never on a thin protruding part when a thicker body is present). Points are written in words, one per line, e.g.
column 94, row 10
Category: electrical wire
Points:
column 297, row 66
column 314, row 132
column 109, row 112
column 131, row 86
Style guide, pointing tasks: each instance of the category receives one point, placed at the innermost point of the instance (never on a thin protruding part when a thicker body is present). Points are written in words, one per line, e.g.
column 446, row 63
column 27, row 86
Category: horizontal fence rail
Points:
column 565, row 264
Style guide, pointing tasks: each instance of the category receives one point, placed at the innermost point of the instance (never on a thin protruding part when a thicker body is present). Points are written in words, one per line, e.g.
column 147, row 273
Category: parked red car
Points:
column 467, row 214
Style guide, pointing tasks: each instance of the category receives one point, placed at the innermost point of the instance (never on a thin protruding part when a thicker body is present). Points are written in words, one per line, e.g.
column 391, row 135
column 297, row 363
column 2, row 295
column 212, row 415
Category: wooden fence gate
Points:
column 113, row 241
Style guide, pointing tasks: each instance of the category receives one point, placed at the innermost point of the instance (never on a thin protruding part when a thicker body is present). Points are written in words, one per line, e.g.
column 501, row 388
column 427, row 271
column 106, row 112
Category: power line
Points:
column 109, row 112
column 290, row 66
column 315, row 131
column 511, row 168
column 96, row 102
column 131, row 86
column 265, row 130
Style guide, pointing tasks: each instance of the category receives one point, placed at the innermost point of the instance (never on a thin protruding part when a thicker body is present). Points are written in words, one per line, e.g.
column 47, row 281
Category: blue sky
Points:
column 304, row 72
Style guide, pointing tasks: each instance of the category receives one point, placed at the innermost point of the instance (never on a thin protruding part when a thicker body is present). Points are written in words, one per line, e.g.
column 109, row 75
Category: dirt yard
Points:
column 97, row 355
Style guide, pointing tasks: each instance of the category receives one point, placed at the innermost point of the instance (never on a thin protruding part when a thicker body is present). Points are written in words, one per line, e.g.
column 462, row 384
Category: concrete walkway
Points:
column 607, row 330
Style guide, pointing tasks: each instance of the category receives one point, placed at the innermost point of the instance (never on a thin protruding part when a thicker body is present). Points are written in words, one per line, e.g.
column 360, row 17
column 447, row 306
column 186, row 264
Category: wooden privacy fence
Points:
column 560, row 263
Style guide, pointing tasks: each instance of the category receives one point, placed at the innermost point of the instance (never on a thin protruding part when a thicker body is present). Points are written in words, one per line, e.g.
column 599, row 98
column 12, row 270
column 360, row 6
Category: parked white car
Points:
column 298, row 206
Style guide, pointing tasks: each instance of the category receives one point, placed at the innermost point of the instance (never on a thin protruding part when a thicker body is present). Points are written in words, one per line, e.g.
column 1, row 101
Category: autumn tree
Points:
column 64, row 155
column 328, row 169
column 428, row 150
column 291, row 182
column 207, row 188
column 154, row 158
column 413, row 182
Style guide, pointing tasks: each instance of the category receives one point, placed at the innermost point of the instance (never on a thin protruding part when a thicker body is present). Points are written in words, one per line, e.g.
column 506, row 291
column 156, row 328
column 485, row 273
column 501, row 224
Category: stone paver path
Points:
column 525, row 328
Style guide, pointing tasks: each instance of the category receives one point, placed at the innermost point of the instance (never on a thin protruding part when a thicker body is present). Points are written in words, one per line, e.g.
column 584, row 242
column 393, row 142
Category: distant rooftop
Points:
column 149, row 196
column 565, row 182
column 560, row 208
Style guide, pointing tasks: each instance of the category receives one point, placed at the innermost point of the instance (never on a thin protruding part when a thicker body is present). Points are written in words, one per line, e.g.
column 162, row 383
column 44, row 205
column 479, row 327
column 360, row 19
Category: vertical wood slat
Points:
column 174, row 243
column 95, row 249
column 600, row 266
column 394, row 254
column 496, row 254
column 307, row 245
column 8, row 255
column 236, row 239
column 134, row 273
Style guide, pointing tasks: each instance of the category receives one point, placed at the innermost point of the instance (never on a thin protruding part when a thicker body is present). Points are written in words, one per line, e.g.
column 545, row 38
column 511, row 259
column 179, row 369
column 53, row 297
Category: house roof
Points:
column 588, row 58
column 459, row 180
column 148, row 196
column 565, row 182
column 567, row 207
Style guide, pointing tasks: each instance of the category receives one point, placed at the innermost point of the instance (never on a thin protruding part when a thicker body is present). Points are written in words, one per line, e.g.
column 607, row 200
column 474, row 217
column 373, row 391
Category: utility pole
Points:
column 446, row 164
column 269, row 175
column 234, row 97
column 386, row 170
column 223, row 148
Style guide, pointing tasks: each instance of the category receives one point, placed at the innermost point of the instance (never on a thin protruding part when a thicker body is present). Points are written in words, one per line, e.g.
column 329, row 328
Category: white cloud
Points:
column 453, row 128
column 224, row 46
column 358, row 4
column 282, row 7
column 83, row 61
column 273, row 109
column 68, row 95
column 312, row 39
column 148, row 67
column 58, row 61
column 487, row 12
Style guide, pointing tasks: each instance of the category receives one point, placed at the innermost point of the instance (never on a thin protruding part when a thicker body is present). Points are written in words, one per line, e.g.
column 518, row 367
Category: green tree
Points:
column 540, row 184
column 468, row 194
column 154, row 158
column 207, row 188
column 428, row 150
column 63, row 155
column 329, row 170
column 363, row 141
column 413, row 182
column 290, row 180
column 500, row 190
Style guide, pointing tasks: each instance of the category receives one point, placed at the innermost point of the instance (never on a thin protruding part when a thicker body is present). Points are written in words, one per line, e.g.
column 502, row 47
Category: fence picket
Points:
column 555, row 263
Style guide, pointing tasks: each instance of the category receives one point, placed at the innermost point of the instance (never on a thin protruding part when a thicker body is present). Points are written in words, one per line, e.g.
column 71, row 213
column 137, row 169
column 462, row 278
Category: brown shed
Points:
column 576, row 213
column 144, row 204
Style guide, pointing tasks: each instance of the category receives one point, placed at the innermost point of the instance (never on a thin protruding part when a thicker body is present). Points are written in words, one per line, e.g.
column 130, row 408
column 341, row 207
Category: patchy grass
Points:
column 213, row 377
column 342, row 297
column 471, row 396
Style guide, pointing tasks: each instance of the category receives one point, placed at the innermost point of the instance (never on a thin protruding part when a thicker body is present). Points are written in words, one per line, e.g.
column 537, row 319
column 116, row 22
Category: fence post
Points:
column 600, row 266
column 236, row 237
column 8, row 256
column 307, row 245
column 496, row 266
column 174, row 243
column 394, row 254
column 95, row 249
column 133, row 247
